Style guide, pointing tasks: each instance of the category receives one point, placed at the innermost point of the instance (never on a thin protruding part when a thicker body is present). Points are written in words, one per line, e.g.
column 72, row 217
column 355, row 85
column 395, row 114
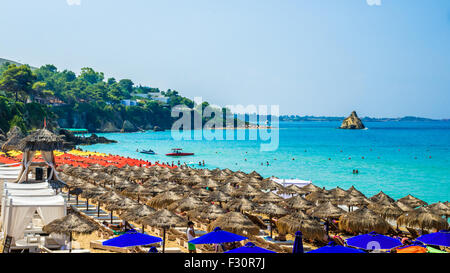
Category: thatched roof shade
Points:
column 403, row 206
column 163, row 219
column 412, row 201
column 386, row 211
column 269, row 184
column 218, row 196
column 121, row 204
column 135, row 213
column 90, row 191
column 353, row 191
column 235, row 222
column 271, row 209
column 227, row 189
column 381, row 196
column 353, row 200
column 209, row 212
column 422, row 218
column 41, row 140
column 163, row 199
column 363, row 221
column 71, row 223
column 15, row 135
column 269, row 197
column 310, row 228
column 440, row 209
column 310, row 188
column 326, row 210
column 319, row 196
column 185, row 204
column 298, row 202
column 241, row 204
column 246, row 190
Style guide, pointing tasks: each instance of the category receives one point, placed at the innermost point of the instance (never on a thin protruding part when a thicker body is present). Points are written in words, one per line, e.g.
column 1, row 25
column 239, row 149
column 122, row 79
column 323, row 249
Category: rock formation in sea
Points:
column 352, row 122
column 70, row 140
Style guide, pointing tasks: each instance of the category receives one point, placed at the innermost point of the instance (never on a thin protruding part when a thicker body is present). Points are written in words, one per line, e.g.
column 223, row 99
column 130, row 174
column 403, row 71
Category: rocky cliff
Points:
column 352, row 122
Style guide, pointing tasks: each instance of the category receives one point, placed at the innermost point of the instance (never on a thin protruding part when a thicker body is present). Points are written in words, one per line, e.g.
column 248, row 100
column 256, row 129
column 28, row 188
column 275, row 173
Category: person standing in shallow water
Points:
column 190, row 232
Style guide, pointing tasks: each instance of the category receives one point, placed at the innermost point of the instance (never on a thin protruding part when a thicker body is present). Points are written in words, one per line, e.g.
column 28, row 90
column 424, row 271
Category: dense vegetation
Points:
column 85, row 101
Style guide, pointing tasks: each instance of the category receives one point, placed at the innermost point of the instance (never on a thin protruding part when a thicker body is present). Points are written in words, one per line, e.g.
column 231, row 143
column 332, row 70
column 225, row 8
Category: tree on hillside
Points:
column 88, row 74
column 17, row 80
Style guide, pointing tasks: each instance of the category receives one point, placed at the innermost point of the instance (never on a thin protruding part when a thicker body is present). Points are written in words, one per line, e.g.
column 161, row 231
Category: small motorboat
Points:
column 178, row 152
column 148, row 152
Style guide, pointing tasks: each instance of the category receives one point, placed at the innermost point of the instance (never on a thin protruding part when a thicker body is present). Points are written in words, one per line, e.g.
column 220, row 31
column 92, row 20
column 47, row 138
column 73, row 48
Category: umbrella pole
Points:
column 87, row 204
column 271, row 229
column 70, row 242
column 143, row 226
column 164, row 240
column 138, row 198
column 111, row 216
column 77, row 199
column 98, row 209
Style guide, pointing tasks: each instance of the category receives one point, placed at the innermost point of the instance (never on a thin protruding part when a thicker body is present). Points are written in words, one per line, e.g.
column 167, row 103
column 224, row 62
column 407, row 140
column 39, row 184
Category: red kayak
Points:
column 178, row 152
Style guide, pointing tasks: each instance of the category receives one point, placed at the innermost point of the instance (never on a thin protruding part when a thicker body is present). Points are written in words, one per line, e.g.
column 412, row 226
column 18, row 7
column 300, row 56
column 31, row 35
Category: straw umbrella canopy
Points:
column 241, row 205
column 319, row 197
column 381, row 196
column 109, row 197
column 182, row 189
column 310, row 188
column 363, row 220
column 403, row 206
column 185, row 204
column 440, row 209
column 163, row 199
column 271, row 210
column 90, row 191
column 135, row 213
column 163, row 219
column 326, row 210
column 218, row 196
column 422, row 218
column 227, row 189
column 269, row 184
column 15, row 135
column 138, row 191
column 386, row 211
column 255, row 175
column 210, row 183
column 355, row 200
column 121, row 204
column 235, row 222
column 111, row 169
column 96, row 167
column 41, row 140
column 269, row 197
column 247, row 191
column 310, row 228
column 412, row 201
column 208, row 212
column 69, row 224
column 298, row 203
column 354, row 192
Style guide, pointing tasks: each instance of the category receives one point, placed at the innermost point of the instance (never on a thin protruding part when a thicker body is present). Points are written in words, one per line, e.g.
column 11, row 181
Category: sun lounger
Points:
column 271, row 240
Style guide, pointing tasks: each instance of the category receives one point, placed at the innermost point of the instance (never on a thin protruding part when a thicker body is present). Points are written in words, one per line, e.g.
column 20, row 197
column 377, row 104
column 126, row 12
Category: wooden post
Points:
column 111, row 216
column 87, row 204
column 143, row 226
column 164, row 240
column 70, row 242
column 271, row 229
column 98, row 209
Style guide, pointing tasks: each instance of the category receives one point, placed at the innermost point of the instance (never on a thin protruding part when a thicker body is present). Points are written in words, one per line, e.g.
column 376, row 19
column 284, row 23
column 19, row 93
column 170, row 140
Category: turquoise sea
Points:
column 399, row 158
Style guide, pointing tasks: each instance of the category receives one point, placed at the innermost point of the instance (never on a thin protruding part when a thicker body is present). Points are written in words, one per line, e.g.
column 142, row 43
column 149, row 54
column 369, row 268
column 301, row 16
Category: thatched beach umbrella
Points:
column 108, row 197
column 403, row 206
column 271, row 210
column 138, row 190
column 227, row 189
column 69, row 224
column 269, row 197
column 363, row 220
column 14, row 135
column 41, row 140
column 422, row 218
column 91, row 191
column 218, row 196
column 163, row 199
column 240, row 205
column 440, row 209
column 326, row 210
column 381, row 196
column 185, row 204
column 208, row 212
column 354, row 192
column 235, row 222
column 247, row 191
column 412, row 201
column 269, row 184
column 354, row 200
column 319, row 197
column 310, row 188
column 163, row 219
column 298, row 203
column 135, row 213
column 299, row 221
column 386, row 211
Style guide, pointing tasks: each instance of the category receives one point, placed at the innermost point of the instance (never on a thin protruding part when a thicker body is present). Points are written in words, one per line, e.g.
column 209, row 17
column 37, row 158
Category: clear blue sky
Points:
column 311, row 57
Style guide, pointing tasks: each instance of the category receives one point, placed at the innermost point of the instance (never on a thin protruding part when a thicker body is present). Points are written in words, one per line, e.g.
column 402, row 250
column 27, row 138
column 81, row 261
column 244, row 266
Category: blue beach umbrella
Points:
column 132, row 239
column 441, row 238
column 217, row 236
column 373, row 241
column 250, row 248
column 332, row 247
column 298, row 243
